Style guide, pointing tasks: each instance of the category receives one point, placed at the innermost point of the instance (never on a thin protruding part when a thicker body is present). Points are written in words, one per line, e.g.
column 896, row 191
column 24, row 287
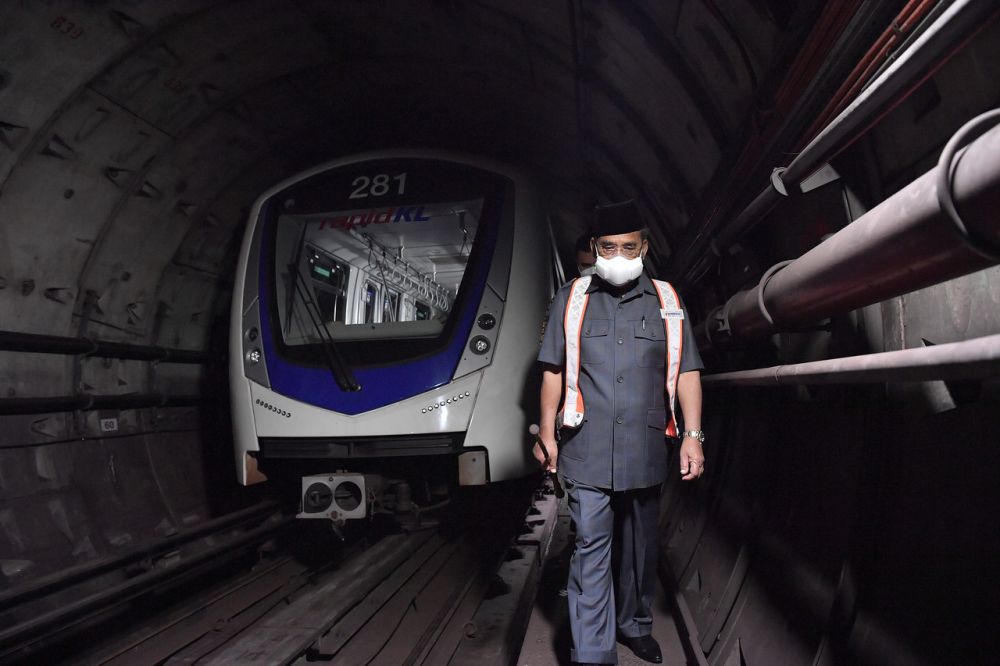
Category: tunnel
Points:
column 820, row 182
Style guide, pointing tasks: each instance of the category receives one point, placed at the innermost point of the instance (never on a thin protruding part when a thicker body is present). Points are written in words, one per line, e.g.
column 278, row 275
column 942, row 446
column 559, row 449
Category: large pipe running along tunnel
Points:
column 848, row 302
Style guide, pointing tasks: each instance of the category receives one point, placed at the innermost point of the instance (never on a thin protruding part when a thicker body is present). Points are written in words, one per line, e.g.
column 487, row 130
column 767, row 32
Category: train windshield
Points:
column 372, row 273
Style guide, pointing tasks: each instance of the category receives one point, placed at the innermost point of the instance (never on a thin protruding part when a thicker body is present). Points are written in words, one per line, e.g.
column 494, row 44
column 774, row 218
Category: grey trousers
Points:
column 612, row 575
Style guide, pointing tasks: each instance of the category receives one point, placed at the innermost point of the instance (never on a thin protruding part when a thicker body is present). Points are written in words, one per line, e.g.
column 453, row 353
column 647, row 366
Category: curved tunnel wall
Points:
column 840, row 525
column 851, row 523
column 134, row 137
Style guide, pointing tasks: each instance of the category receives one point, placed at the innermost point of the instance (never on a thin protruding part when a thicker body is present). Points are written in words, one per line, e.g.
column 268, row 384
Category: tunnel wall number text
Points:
column 377, row 186
column 66, row 27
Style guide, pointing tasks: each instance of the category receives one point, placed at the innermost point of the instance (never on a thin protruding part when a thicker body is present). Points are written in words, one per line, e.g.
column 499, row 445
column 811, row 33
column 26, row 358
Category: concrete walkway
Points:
column 547, row 641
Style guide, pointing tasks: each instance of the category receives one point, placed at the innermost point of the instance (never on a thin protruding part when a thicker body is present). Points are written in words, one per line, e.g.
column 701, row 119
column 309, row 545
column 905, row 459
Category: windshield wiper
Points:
column 293, row 276
column 338, row 366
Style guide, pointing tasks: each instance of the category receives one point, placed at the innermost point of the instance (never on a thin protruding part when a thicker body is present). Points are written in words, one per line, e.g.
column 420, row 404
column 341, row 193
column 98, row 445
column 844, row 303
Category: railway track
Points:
column 47, row 619
column 458, row 593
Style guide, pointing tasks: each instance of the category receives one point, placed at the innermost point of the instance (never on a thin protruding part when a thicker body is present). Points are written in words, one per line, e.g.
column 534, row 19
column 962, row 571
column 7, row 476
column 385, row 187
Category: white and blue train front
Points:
column 386, row 311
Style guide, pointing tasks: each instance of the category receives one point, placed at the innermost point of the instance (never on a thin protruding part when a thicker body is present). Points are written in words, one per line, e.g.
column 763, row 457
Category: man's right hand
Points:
column 547, row 440
column 552, row 386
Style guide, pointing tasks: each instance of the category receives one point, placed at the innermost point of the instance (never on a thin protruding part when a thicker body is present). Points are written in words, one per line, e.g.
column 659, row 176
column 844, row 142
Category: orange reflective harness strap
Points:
column 571, row 415
column 673, row 322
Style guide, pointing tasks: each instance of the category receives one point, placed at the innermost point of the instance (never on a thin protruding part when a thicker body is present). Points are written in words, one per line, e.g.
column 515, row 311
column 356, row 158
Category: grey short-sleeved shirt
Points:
column 621, row 444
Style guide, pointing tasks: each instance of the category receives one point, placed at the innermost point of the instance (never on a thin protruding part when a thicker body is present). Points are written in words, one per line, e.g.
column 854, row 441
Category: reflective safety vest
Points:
column 571, row 415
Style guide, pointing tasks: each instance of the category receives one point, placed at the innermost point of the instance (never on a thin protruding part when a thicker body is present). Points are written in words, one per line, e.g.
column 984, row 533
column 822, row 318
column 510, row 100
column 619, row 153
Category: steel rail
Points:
column 14, row 637
column 914, row 66
column 218, row 609
column 410, row 598
column 978, row 358
column 66, row 577
column 903, row 244
column 83, row 346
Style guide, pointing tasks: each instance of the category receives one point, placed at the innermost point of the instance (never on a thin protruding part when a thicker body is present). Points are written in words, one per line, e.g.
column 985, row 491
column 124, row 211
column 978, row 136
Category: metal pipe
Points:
column 962, row 19
column 903, row 244
column 69, row 403
column 918, row 63
column 881, row 51
column 54, row 344
column 978, row 358
column 66, row 577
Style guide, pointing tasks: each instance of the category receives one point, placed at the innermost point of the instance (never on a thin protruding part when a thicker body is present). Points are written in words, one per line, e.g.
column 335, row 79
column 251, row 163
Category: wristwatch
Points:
column 697, row 434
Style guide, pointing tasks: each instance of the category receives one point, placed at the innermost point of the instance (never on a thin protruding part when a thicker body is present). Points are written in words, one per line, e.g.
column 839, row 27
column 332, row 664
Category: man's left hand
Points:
column 692, row 459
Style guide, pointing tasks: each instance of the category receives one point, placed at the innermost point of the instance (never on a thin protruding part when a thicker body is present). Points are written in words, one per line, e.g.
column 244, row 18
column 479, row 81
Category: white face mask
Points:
column 618, row 270
column 588, row 270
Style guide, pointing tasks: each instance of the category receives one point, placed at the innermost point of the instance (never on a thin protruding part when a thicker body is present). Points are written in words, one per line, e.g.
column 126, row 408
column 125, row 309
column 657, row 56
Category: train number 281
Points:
column 377, row 186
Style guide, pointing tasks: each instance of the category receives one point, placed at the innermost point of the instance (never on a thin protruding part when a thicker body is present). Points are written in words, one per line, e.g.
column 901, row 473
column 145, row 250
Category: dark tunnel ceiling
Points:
column 148, row 128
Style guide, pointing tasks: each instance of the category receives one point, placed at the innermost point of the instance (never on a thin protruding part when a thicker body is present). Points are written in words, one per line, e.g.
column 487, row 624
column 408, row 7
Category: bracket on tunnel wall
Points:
column 824, row 175
column 945, row 194
column 762, row 284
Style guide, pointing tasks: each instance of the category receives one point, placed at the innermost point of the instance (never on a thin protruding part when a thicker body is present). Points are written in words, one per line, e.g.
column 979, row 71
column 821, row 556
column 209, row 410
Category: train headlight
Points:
column 339, row 496
column 317, row 498
column 254, row 356
column 252, row 334
column 479, row 345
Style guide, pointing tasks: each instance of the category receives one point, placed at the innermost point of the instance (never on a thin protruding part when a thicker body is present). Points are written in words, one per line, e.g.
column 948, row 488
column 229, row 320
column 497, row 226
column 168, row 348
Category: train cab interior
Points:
column 820, row 182
column 381, row 277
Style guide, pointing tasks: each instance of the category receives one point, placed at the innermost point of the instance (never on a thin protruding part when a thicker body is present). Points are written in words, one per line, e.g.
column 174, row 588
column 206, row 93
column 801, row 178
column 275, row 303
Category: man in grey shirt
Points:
column 615, row 381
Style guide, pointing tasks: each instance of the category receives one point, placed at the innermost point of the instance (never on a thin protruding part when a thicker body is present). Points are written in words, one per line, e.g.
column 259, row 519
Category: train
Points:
column 385, row 319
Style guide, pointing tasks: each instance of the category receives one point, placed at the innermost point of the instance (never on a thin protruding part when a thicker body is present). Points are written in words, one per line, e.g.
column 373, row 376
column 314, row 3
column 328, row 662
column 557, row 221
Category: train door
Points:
column 329, row 283
column 407, row 311
column 422, row 311
column 369, row 302
column 390, row 305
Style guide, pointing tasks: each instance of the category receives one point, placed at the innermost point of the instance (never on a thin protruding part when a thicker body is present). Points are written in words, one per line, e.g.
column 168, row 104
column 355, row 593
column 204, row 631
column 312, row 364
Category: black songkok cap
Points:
column 617, row 218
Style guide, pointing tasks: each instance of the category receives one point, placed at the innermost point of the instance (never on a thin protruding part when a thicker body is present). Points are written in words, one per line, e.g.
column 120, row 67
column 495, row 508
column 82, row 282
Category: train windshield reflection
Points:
column 373, row 273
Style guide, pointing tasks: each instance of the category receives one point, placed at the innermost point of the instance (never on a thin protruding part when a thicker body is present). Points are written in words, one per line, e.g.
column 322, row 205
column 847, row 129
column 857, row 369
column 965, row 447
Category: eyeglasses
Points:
column 629, row 250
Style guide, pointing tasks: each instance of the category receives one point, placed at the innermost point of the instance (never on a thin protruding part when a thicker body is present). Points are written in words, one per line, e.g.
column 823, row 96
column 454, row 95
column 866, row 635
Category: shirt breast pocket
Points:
column 650, row 343
column 594, row 342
